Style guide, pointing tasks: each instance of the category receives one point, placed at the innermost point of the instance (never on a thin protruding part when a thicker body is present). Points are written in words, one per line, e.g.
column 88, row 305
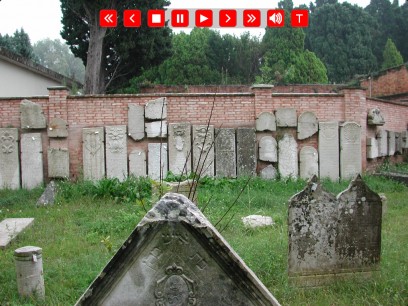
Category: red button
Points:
column 204, row 18
column 108, row 18
column 179, row 18
column 275, row 18
column 252, row 18
column 155, row 18
column 132, row 18
column 300, row 18
column 228, row 18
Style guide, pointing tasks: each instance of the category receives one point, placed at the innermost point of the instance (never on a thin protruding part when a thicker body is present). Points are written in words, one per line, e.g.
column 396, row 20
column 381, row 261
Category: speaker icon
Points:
column 276, row 18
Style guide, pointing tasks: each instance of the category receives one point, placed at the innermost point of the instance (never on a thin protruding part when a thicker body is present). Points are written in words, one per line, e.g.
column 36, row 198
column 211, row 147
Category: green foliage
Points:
column 391, row 56
column 19, row 43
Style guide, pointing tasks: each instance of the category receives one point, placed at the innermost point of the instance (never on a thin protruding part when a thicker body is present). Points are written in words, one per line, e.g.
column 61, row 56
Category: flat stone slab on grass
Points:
column 254, row 221
column 11, row 227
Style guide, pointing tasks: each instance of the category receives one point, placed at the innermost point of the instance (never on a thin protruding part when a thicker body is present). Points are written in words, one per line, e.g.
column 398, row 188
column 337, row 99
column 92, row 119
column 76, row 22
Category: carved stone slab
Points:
column 32, row 173
column 180, row 148
column 246, row 152
column 391, row 143
column 329, row 150
column 57, row 128
column 269, row 173
column 176, row 257
column 268, row 150
column 307, row 125
column 11, row 227
column 156, row 109
column 116, row 152
column 286, row 117
column 137, row 163
column 9, row 161
column 266, row 122
column 288, row 157
column 404, row 136
column 225, row 153
column 374, row 117
column 58, row 163
column 203, row 150
column 136, row 121
column 309, row 162
column 93, row 151
column 350, row 152
column 382, row 139
column 398, row 142
column 156, row 129
column 157, row 166
column 31, row 115
column 372, row 148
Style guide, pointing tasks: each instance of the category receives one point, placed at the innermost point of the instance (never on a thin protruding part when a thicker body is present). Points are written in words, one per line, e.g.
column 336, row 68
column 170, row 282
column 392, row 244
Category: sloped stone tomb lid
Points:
column 176, row 257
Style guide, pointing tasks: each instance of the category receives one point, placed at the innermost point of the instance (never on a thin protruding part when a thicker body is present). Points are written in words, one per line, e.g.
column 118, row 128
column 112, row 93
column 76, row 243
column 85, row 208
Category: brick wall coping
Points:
column 164, row 95
column 388, row 102
column 23, row 98
column 293, row 94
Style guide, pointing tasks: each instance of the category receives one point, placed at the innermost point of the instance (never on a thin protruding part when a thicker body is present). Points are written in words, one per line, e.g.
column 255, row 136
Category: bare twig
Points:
column 206, row 204
column 228, row 223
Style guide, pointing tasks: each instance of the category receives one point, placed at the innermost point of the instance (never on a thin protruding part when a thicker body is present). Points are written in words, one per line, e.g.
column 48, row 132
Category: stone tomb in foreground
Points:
column 176, row 257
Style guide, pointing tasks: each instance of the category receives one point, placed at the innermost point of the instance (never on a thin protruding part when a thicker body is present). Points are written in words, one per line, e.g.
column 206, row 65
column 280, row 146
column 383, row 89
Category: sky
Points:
column 42, row 18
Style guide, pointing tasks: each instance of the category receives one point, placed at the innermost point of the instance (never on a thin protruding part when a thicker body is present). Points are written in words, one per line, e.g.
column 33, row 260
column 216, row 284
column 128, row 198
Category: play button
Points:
column 204, row 18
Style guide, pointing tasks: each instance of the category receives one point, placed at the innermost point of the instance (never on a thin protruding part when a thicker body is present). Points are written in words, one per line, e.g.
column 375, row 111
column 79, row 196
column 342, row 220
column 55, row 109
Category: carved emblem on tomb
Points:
column 7, row 143
column 202, row 141
column 115, row 142
column 93, row 143
column 179, row 132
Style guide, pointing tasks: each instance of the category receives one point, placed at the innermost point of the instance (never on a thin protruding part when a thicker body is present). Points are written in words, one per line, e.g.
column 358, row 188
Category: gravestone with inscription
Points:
column 268, row 150
column 203, row 150
column 225, row 153
column 350, row 150
column 175, row 256
column 31, row 115
column 372, row 148
column 32, row 174
column 116, row 152
column 329, row 150
column 288, row 157
column 307, row 125
column 266, row 122
column 391, row 143
column 58, row 163
column 93, row 151
column 136, row 121
column 57, row 128
column 137, row 163
column 286, row 117
column 309, row 162
column 156, row 109
column 9, row 160
column 180, row 148
column 157, row 161
column 156, row 129
column 246, row 152
column 382, row 138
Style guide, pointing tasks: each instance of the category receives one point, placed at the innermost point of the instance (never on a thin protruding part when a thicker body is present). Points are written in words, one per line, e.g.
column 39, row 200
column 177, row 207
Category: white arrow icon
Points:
column 108, row 18
column 229, row 18
column 251, row 18
column 203, row 18
column 131, row 18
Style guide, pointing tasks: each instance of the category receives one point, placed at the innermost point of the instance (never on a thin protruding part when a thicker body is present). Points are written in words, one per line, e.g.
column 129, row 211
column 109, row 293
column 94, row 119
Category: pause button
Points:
column 179, row 18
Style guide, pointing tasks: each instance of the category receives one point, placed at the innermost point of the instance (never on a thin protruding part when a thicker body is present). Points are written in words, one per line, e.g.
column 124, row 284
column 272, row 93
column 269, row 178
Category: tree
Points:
column 19, row 43
column 391, row 56
column 113, row 56
column 56, row 56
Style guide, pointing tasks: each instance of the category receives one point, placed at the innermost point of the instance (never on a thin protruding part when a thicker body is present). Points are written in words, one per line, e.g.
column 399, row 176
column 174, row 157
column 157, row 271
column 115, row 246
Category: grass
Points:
column 88, row 221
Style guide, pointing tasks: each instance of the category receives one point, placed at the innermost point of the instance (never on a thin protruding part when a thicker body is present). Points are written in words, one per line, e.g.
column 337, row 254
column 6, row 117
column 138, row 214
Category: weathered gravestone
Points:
column 329, row 160
column 93, row 151
column 288, row 157
column 398, row 142
column 268, row 150
column 32, row 174
column 391, row 143
column 286, row 117
column 48, row 196
column 203, row 150
column 372, row 148
column 180, row 148
column 157, row 161
column 57, row 128
column 9, row 161
column 266, row 122
column 404, row 136
column 58, row 163
column 350, row 150
column 156, row 129
column 136, row 121
column 382, row 138
column 225, row 153
column 246, row 152
column 31, row 115
column 156, row 109
column 268, row 173
column 374, row 117
column 176, row 257
column 333, row 238
column 307, row 125
column 116, row 152
column 137, row 163
column 309, row 162
column 11, row 227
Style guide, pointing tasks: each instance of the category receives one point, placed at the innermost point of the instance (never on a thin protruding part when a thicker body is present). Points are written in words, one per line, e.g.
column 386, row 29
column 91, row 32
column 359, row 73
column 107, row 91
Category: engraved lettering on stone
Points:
column 350, row 153
column 225, row 153
column 329, row 161
column 288, row 157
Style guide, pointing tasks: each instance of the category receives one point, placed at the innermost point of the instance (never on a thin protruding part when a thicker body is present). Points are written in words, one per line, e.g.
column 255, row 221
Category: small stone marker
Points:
column 156, row 109
column 116, row 152
column 269, row 173
column 372, row 148
column 57, row 128
column 266, row 122
column 11, row 227
column 31, row 115
column 286, row 117
column 254, row 221
column 156, row 129
column 58, row 163
column 175, row 256
column 32, row 174
column 268, row 150
column 9, row 159
column 391, row 143
column 48, row 196
column 93, row 149
column 350, row 152
column 374, row 117
column 307, row 125
column 180, row 148
column 225, row 153
column 203, row 150
column 288, row 157
column 137, row 163
column 157, row 167
column 246, row 152
column 309, row 162
column 329, row 150
column 136, row 121
column 29, row 270
column 382, row 138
